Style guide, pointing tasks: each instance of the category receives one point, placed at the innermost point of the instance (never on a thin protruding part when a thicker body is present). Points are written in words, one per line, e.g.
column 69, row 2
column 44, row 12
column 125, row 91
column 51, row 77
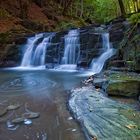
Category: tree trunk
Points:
column 81, row 14
column 122, row 7
column 66, row 6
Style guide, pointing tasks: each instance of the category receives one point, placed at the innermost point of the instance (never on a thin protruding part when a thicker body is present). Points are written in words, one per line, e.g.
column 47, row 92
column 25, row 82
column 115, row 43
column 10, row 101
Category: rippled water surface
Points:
column 40, row 91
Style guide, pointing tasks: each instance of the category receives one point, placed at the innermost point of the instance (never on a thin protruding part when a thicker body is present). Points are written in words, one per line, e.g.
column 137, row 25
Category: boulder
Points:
column 102, row 117
column 124, row 88
column 124, row 84
column 9, row 63
column 117, row 63
column 20, row 40
column 116, row 36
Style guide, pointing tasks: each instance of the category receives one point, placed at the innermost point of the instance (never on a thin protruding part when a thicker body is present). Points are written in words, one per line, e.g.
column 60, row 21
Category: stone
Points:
column 8, row 64
column 3, row 112
column 31, row 115
column 82, row 64
column 18, row 120
column 116, row 27
column 116, row 36
column 121, row 88
column 105, row 121
column 124, row 84
column 117, row 63
column 13, row 107
column 20, row 40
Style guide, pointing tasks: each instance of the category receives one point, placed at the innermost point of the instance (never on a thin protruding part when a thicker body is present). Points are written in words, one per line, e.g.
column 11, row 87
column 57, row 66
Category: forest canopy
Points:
column 99, row 10
column 53, row 15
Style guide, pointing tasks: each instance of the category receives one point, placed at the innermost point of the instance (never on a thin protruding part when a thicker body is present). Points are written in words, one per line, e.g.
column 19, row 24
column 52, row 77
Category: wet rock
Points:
column 3, row 112
column 31, row 115
column 11, row 126
column 20, row 40
column 117, row 63
column 13, row 107
column 82, row 64
column 18, row 120
column 27, row 121
column 117, row 26
column 105, row 121
column 124, row 88
column 101, row 83
column 8, row 64
column 124, row 84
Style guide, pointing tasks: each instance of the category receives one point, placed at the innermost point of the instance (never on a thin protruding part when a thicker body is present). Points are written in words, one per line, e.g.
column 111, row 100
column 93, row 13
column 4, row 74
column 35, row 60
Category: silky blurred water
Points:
column 41, row 91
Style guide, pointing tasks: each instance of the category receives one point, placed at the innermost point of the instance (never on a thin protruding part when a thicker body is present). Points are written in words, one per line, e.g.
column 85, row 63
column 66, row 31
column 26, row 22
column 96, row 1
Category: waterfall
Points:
column 72, row 48
column 35, row 54
column 98, row 63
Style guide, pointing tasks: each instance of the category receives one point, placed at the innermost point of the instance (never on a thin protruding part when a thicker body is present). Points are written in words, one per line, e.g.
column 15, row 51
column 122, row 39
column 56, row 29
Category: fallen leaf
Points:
column 94, row 138
column 131, row 126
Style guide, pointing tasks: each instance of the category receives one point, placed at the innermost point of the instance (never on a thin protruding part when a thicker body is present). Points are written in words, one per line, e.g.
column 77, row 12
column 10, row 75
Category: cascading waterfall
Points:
column 35, row 54
column 98, row 63
column 72, row 48
column 27, row 57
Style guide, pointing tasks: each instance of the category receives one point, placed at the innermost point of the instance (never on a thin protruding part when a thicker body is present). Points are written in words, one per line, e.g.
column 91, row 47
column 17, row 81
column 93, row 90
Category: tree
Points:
column 121, row 7
column 82, row 8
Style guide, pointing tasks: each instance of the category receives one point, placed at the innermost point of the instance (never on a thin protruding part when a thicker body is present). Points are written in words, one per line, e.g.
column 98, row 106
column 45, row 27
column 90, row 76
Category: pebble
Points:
column 70, row 118
column 73, row 130
column 27, row 121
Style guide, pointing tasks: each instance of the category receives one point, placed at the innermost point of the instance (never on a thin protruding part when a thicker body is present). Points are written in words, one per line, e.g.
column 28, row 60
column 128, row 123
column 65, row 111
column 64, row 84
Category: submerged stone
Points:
column 27, row 121
column 13, row 107
column 3, row 112
column 18, row 120
column 31, row 115
column 124, row 88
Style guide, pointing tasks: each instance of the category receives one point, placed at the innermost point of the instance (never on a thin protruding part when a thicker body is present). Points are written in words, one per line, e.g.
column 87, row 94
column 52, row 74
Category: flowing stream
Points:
column 45, row 91
column 72, row 47
column 98, row 63
column 34, row 54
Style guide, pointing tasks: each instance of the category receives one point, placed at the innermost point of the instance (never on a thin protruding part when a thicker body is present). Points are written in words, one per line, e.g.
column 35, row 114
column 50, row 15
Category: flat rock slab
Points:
column 101, row 116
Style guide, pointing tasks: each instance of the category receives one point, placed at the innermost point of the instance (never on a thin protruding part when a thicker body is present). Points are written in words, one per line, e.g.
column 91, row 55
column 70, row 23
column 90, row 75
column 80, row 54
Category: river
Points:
column 40, row 91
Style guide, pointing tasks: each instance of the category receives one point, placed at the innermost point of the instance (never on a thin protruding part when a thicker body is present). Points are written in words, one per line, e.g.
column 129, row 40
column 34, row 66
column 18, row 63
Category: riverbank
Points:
column 102, row 117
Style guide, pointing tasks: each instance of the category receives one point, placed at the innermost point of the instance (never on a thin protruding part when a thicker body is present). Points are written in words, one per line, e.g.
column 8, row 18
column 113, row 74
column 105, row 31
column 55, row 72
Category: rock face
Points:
column 101, row 116
column 124, row 88
column 124, row 84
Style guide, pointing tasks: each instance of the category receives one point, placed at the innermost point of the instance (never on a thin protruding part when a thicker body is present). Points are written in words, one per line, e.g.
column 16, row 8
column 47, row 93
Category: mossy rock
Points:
column 124, row 88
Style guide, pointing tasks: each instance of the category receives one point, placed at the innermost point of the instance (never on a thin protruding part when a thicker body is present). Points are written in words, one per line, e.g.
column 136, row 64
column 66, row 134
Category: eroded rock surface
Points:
column 101, row 116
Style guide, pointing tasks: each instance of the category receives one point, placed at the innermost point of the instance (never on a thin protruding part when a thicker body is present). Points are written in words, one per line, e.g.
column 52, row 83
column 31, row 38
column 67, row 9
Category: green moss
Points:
column 134, row 18
column 73, row 23
column 128, row 88
column 124, row 77
column 124, row 84
column 133, row 116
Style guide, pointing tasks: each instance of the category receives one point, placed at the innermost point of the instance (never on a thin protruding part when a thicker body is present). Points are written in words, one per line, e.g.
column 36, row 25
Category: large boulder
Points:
column 124, row 84
column 102, row 117
column 124, row 88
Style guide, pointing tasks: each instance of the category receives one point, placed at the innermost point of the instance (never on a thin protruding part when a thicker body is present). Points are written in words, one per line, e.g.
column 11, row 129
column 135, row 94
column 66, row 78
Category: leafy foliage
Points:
column 3, row 13
column 135, row 18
